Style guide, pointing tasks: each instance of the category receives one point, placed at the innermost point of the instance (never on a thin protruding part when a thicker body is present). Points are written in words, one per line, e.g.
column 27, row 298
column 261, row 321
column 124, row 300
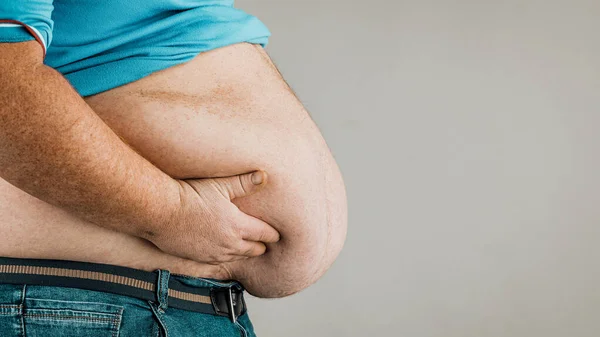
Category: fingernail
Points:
column 257, row 178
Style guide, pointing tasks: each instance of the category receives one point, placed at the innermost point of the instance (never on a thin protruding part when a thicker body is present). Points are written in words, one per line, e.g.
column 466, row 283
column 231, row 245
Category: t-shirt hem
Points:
column 93, row 81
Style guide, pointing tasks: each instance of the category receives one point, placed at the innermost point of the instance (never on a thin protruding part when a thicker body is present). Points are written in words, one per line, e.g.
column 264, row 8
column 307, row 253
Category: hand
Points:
column 209, row 228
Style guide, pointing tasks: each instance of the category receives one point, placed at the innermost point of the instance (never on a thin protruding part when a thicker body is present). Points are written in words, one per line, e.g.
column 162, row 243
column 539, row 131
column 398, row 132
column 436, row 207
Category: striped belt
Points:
column 222, row 299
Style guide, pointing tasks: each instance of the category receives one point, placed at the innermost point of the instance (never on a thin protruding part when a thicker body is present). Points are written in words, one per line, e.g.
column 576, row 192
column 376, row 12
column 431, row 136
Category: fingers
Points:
column 244, row 184
column 252, row 249
column 254, row 229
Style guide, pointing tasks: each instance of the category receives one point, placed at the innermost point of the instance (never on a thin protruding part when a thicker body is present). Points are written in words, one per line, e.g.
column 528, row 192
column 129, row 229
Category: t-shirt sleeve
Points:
column 26, row 20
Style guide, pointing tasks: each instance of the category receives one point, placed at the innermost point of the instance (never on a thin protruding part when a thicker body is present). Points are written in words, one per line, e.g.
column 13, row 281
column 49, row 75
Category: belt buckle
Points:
column 231, row 303
column 226, row 300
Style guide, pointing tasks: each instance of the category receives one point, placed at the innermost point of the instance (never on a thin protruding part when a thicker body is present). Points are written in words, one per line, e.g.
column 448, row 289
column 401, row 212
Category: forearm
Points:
column 54, row 147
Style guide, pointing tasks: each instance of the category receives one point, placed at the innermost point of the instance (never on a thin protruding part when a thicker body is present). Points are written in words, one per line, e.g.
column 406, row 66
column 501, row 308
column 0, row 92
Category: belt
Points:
column 222, row 299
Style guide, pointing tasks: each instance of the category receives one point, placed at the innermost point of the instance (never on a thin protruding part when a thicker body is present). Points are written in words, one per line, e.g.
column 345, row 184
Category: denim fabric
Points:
column 48, row 311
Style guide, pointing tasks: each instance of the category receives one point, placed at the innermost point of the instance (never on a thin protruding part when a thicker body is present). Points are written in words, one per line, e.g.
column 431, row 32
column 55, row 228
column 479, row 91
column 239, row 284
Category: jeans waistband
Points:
column 221, row 298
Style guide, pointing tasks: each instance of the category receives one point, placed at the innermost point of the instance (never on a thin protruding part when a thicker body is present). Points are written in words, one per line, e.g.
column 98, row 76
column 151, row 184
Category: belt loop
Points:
column 162, row 289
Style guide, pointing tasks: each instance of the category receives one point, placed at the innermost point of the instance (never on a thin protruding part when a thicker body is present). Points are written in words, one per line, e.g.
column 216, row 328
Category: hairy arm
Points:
column 54, row 147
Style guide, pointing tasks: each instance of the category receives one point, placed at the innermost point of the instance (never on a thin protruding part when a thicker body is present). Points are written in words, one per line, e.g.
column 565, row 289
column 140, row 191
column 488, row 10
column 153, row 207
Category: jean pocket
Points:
column 44, row 317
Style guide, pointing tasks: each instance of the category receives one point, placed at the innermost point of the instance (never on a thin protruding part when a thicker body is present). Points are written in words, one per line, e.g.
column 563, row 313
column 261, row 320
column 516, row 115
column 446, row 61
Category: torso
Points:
column 226, row 112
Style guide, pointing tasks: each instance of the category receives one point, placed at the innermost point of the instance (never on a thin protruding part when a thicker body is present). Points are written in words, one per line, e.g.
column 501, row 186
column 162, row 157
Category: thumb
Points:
column 244, row 184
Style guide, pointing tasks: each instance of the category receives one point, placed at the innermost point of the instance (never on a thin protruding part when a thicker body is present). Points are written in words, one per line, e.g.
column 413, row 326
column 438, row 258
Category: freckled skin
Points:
column 224, row 113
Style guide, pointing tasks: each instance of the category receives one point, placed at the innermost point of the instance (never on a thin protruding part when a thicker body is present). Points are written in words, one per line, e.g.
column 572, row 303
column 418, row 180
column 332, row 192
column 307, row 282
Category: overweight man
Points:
column 154, row 165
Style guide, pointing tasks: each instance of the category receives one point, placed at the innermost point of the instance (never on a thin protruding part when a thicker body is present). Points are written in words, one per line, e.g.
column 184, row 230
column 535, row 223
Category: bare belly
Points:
column 226, row 112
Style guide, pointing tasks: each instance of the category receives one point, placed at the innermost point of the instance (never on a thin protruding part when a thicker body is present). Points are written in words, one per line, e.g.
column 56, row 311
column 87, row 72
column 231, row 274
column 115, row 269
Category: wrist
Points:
column 162, row 212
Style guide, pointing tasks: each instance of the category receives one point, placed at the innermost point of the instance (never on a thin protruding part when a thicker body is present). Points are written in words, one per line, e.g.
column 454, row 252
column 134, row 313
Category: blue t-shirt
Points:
column 102, row 44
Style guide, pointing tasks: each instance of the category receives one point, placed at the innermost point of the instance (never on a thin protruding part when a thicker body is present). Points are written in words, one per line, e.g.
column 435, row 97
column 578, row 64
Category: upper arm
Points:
column 25, row 21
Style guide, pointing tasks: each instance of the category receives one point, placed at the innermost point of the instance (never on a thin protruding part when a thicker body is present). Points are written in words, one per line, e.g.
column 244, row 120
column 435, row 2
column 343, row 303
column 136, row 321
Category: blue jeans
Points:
column 49, row 311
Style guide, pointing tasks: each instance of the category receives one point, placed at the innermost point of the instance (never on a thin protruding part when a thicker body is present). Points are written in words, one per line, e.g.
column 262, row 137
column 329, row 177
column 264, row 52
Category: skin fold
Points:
column 228, row 112
column 224, row 113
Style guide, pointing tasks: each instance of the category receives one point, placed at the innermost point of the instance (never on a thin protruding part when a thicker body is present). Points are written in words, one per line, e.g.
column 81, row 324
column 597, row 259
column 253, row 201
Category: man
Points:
column 150, row 154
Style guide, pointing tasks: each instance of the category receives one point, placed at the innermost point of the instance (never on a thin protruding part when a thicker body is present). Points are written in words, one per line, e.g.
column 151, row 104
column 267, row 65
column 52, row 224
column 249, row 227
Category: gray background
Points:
column 467, row 133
